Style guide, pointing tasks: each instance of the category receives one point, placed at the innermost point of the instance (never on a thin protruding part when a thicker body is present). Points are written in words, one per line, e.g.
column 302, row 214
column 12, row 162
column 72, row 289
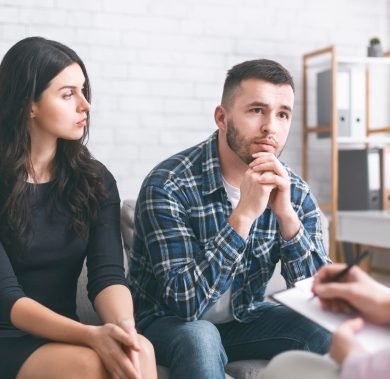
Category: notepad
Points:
column 299, row 298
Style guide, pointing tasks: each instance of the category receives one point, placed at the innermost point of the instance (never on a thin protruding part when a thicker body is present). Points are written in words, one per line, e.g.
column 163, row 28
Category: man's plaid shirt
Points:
column 186, row 255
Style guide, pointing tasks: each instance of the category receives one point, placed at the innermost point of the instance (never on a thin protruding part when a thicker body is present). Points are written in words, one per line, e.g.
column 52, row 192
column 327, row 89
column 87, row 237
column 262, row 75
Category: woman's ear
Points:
column 220, row 117
column 33, row 111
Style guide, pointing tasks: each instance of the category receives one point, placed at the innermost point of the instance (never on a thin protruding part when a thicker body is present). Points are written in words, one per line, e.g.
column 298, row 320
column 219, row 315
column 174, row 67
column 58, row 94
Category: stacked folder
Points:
column 364, row 179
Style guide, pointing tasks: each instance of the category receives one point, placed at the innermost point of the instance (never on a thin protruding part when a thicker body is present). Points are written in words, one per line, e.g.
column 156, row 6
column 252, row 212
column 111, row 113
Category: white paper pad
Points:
column 299, row 298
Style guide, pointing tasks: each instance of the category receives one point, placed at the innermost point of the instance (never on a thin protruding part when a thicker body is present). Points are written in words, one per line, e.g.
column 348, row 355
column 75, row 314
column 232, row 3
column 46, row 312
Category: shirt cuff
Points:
column 230, row 242
column 293, row 240
column 297, row 247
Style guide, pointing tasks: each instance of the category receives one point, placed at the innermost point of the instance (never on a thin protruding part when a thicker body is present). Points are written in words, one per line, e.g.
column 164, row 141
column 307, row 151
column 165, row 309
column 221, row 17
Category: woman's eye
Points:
column 67, row 95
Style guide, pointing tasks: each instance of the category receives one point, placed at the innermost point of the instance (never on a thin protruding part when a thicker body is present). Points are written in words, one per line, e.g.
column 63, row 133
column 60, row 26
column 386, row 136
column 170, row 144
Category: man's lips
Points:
column 266, row 141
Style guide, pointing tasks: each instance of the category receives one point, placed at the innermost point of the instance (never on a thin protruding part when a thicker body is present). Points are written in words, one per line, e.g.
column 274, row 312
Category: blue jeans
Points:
column 200, row 349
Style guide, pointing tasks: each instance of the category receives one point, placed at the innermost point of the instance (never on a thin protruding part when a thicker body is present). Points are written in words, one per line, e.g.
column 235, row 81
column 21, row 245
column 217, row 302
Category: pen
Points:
column 343, row 272
column 354, row 262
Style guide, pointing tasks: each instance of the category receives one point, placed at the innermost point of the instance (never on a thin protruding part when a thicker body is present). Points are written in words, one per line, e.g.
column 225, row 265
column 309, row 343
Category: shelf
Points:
column 368, row 140
column 369, row 61
column 373, row 136
column 363, row 60
column 352, row 227
column 350, row 140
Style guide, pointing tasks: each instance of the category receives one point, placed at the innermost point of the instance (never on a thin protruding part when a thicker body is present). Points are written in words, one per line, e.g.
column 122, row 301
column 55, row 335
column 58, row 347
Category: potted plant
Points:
column 375, row 48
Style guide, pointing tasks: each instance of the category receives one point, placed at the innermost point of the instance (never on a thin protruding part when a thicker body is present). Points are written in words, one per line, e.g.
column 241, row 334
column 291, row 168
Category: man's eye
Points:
column 284, row 115
column 257, row 110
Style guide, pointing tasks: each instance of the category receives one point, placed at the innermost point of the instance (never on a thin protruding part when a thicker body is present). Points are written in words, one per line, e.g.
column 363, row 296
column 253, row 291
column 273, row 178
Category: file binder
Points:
column 360, row 179
column 385, row 177
column 324, row 101
column 350, row 101
column 357, row 103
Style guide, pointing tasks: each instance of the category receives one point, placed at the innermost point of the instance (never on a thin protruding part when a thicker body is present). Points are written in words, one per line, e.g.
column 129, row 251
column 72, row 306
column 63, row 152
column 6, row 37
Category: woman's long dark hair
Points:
column 25, row 72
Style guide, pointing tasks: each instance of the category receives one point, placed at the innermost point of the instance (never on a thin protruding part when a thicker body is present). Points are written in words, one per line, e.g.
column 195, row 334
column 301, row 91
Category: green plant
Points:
column 375, row 41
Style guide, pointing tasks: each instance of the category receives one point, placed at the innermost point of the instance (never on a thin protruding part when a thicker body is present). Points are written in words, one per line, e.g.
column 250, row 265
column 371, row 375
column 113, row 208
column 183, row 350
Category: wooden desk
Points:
column 364, row 227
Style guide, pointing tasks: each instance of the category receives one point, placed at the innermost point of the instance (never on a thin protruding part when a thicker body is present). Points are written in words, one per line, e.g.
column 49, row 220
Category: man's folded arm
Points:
column 192, row 275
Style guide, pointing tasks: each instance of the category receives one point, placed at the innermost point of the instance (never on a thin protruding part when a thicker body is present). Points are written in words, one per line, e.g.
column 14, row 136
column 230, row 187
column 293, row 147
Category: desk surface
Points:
column 364, row 227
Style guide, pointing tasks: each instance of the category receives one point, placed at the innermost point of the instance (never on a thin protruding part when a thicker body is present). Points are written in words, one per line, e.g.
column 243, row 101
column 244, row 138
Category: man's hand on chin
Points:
column 273, row 173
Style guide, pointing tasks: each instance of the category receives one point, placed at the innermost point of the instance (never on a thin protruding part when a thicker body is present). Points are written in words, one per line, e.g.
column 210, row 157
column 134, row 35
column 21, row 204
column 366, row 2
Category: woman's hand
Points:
column 112, row 343
column 128, row 326
column 344, row 341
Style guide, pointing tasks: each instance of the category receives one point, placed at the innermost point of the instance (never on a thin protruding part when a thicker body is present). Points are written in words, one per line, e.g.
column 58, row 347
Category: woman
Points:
column 357, row 292
column 57, row 206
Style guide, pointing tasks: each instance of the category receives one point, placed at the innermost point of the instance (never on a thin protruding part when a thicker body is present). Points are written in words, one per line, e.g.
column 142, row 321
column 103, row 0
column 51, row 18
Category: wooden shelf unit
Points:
column 332, row 129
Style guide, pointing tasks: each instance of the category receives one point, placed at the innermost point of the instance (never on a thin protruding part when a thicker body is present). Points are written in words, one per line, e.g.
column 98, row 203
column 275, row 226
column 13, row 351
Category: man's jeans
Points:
column 200, row 349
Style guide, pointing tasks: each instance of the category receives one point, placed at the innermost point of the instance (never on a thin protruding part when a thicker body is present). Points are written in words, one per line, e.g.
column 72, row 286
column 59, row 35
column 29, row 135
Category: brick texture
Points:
column 157, row 67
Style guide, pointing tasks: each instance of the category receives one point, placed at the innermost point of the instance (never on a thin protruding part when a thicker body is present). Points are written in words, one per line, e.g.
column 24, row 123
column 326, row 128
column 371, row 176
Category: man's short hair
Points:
column 263, row 69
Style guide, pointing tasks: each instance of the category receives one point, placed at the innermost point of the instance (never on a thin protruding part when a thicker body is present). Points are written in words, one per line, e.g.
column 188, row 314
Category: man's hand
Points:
column 272, row 173
column 344, row 341
column 254, row 197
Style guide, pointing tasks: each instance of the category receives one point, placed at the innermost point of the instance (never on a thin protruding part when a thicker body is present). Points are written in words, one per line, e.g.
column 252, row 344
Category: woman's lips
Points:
column 82, row 123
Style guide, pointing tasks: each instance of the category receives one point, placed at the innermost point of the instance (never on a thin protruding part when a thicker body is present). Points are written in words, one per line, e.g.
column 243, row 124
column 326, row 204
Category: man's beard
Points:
column 240, row 145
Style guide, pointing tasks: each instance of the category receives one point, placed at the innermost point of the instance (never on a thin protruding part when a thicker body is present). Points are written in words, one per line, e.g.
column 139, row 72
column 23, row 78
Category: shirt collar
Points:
column 211, row 168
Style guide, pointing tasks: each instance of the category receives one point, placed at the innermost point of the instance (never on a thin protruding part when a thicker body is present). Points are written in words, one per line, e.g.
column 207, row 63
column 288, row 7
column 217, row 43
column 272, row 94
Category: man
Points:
column 211, row 223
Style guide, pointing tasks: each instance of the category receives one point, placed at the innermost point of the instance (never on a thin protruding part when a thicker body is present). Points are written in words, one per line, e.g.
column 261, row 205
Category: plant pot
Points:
column 375, row 51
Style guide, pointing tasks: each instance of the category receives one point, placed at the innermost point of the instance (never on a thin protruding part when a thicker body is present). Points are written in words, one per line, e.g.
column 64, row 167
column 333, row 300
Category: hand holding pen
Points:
column 339, row 275
column 354, row 290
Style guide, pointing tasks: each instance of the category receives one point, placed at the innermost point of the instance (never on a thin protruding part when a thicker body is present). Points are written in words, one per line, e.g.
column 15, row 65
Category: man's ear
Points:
column 220, row 117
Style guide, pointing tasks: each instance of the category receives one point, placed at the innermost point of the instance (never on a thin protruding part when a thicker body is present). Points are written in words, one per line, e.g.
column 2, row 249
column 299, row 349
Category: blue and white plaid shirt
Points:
column 186, row 255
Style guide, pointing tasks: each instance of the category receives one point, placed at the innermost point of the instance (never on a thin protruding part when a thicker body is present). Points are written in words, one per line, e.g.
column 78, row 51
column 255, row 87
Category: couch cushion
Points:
column 85, row 310
column 163, row 373
column 127, row 223
column 248, row 369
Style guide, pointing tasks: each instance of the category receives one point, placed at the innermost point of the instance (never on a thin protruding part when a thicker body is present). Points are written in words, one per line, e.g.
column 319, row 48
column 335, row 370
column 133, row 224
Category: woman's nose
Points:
column 84, row 105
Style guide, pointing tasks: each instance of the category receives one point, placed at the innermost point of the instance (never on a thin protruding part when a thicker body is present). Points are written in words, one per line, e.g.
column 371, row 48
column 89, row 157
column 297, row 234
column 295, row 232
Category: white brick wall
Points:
column 157, row 67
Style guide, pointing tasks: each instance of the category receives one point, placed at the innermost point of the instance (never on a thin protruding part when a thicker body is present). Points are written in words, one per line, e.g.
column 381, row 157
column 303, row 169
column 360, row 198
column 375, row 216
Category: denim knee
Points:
column 194, row 350
column 200, row 338
column 191, row 349
column 318, row 341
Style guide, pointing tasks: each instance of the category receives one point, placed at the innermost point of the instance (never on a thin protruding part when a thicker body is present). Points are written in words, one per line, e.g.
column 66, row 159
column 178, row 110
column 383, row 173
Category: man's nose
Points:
column 269, row 124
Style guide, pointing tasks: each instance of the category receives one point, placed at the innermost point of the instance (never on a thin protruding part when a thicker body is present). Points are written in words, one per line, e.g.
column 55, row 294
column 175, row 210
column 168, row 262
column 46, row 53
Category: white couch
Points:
column 248, row 369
